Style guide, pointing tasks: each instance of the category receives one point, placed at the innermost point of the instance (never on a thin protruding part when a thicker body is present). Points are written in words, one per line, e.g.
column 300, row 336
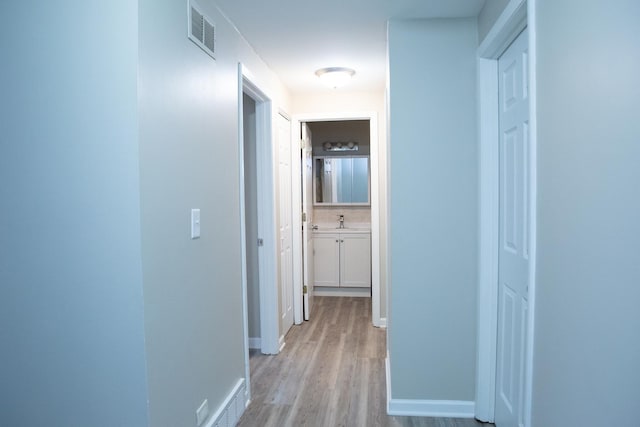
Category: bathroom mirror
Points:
column 341, row 180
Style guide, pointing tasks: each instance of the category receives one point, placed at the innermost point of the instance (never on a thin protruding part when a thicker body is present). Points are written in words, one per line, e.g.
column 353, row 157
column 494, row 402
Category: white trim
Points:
column 268, row 255
column 533, row 202
column 387, row 230
column 375, row 207
column 243, row 234
column 232, row 408
column 517, row 15
column 296, row 220
column 281, row 343
column 431, row 408
column 342, row 292
column 383, row 322
column 255, row 343
column 284, row 114
column 375, row 220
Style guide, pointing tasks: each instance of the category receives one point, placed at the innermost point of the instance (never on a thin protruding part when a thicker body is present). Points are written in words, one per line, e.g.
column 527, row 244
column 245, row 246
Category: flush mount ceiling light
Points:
column 335, row 77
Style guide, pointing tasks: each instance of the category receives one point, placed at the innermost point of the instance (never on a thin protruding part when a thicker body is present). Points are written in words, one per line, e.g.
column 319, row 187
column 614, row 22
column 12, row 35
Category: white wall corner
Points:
column 255, row 343
column 426, row 408
column 232, row 408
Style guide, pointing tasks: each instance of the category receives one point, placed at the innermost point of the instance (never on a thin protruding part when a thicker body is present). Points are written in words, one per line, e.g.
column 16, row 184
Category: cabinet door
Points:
column 326, row 260
column 355, row 260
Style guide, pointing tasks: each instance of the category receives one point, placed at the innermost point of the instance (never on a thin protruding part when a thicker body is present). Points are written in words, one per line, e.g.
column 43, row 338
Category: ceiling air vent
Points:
column 202, row 30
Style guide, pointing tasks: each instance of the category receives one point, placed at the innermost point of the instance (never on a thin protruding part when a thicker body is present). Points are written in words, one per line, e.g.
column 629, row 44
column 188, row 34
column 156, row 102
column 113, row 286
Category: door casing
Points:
column 306, row 175
column 517, row 15
column 268, row 252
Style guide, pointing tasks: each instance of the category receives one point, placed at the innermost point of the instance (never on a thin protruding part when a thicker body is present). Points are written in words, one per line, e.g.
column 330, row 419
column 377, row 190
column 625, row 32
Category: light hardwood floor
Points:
column 330, row 373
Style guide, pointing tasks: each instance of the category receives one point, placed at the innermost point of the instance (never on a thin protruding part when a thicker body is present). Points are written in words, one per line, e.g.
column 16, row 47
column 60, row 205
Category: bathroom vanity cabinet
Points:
column 342, row 258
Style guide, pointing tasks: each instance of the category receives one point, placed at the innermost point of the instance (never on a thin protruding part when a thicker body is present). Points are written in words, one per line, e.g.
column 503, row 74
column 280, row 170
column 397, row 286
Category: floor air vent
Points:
column 202, row 30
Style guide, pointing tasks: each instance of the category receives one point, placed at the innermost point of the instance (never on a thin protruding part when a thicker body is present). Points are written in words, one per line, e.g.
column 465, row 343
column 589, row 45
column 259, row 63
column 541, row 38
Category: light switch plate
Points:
column 195, row 223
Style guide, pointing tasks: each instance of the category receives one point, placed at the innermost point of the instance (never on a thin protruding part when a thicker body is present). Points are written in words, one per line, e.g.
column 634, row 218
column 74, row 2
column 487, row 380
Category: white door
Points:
column 513, row 270
column 284, row 221
column 307, row 223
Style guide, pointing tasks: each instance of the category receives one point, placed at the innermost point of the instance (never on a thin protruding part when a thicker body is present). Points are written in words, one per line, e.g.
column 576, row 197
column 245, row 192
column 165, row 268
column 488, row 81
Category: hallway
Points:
column 331, row 373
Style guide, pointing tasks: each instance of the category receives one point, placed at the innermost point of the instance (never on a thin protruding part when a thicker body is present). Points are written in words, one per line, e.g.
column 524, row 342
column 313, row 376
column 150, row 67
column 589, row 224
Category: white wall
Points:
column 341, row 101
column 587, row 344
column 71, row 307
column 188, row 108
column 114, row 125
column 433, row 196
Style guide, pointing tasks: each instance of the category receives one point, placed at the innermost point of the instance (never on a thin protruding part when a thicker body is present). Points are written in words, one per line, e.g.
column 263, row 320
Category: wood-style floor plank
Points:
column 331, row 373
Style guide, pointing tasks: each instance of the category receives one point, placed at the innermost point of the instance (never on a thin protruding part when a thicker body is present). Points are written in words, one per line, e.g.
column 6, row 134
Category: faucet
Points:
column 341, row 220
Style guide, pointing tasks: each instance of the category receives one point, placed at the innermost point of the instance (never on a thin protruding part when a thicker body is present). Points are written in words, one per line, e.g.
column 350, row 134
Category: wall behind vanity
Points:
column 343, row 267
column 343, row 131
column 353, row 215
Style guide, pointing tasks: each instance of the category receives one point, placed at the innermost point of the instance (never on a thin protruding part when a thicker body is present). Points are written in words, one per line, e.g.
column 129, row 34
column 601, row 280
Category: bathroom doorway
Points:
column 327, row 142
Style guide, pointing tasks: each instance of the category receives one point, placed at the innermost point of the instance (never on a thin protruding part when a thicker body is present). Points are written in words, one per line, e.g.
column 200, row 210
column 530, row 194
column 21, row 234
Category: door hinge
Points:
column 304, row 289
column 260, row 242
column 302, row 145
column 304, row 217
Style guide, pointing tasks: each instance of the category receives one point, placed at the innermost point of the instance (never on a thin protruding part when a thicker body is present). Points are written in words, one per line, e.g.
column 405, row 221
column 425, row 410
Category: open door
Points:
column 285, row 225
column 514, row 234
column 307, row 221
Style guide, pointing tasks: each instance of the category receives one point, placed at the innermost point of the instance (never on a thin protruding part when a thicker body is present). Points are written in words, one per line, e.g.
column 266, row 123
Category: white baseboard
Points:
column 255, row 343
column 426, row 408
column 341, row 292
column 281, row 343
column 432, row 408
column 229, row 413
column 383, row 322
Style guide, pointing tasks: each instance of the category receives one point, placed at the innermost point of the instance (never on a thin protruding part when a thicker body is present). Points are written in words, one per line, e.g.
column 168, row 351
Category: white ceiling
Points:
column 297, row 37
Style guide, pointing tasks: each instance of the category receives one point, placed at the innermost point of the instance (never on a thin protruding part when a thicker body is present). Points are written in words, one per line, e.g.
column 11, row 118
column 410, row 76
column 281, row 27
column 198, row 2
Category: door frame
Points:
column 517, row 15
column 372, row 116
column 268, row 256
